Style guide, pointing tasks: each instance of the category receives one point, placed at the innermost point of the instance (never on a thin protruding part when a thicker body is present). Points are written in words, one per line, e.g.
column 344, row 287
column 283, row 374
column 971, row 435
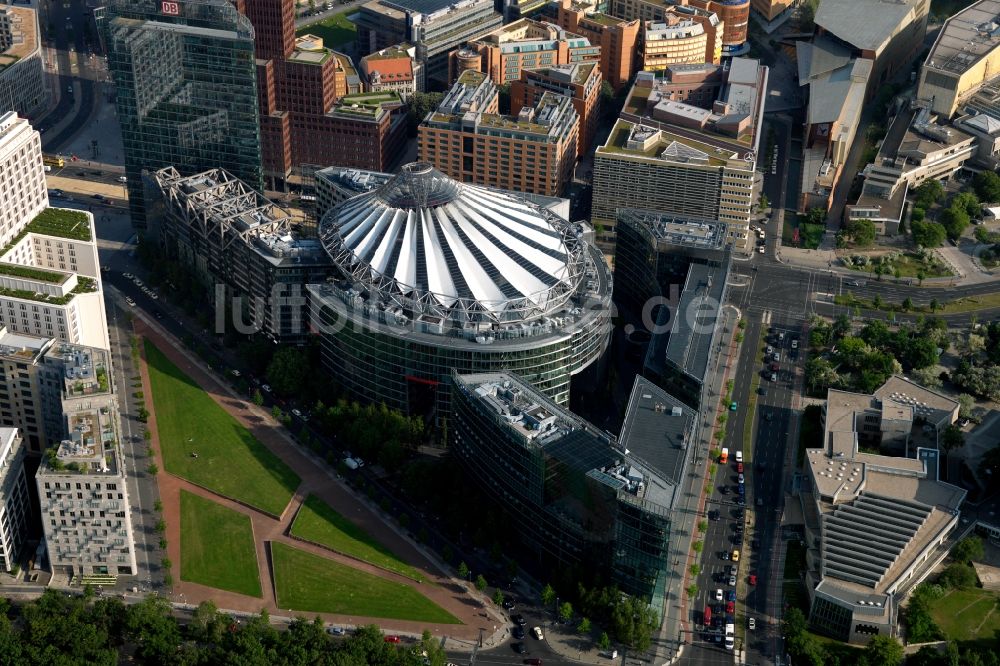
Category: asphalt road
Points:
column 68, row 19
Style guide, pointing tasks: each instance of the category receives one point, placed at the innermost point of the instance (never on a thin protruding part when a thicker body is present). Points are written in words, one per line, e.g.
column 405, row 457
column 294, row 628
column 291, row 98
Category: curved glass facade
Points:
column 410, row 370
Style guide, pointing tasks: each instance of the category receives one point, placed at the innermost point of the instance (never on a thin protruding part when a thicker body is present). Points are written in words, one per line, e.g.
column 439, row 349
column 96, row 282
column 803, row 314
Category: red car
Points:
column 730, row 606
column 533, row 661
column 392, row 639
column 753, row 579
column 739, row 468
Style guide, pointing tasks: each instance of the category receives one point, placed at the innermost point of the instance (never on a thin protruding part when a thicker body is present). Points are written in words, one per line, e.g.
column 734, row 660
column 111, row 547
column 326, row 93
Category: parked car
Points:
column 266, row 388
column 519, row 648
column 732, row 583
column 128, row 299
column 392, row 639
column 731, row 595
column 730, row 606
column 537, row 633
column 508, row 604
column 533, row 661
column 518, row 620
column 718, row 594
column 752, row 624
column 336, row 631
column 753, row 579
column 517, row 632
column 127, row 276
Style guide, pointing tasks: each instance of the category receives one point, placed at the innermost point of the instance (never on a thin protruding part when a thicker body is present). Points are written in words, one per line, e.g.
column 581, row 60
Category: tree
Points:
column 952, row 438
column 954, row 220
column 928, row 234
column 816, row 215
column 929, row 376
column 604, row 642
column 422, row 103
column 498, row 597
column 968, row 549
column 966, row 201
column 288, row 370
column 481, row 582
column 584, row 626
column 566, row 611
column 987, row 186
column 884, row 650
column 763, row 203
column 258, row 399
column 463, row 570
column 933, row 305
column 907, row 304
column 965, row 404
column 698, row 546
column 820, row 374
column 860, row 232
column 150, row 625
column 702, row 527
column 548, row 595
column 958, row 576
column 928, row 193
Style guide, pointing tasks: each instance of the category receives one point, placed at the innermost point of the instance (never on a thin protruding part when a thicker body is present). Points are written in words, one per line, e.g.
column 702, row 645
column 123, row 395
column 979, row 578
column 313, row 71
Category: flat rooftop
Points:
column 648, row 141
column 646, row 464
column 680, row 230
column 23, row 33
column 925, row 402
column 659, row 430
column 21, row 347
column 690, row 343
column 966, row 38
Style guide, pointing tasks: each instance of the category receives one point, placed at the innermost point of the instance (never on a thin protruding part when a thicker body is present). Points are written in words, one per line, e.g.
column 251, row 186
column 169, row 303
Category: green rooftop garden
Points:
column 83, row 285
column 61, row 222
column 29, row 273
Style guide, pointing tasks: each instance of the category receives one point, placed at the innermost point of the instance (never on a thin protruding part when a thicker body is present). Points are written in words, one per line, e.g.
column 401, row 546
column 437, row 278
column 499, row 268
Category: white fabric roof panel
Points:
column 424, row 234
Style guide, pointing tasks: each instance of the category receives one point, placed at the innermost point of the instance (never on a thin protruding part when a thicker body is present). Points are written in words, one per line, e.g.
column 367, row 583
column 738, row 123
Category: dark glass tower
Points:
column 185, row 77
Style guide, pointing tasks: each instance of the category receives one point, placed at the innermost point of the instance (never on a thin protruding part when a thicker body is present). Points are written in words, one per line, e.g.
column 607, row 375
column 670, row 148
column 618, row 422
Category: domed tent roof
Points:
column 434, row 245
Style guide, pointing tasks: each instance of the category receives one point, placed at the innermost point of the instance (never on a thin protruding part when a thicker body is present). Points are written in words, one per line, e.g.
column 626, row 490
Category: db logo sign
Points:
column 170, row 8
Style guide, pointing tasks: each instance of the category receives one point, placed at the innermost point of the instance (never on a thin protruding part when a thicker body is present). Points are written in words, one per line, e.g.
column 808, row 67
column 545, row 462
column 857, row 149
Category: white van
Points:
column 730, row 636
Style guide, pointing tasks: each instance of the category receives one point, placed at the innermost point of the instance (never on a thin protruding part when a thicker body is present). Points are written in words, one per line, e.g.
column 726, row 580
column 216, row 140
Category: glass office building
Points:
column 185, row 81
column 588, row 502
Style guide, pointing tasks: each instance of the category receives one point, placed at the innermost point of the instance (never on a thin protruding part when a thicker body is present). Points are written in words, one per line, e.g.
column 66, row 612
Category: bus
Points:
column 52, row 160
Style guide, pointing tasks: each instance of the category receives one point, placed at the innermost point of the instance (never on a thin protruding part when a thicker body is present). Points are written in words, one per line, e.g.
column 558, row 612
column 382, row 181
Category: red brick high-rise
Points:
column 299, row 82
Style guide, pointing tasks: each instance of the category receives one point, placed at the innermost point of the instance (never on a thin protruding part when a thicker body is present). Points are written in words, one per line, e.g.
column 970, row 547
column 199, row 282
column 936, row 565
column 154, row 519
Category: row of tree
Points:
column 88, row 631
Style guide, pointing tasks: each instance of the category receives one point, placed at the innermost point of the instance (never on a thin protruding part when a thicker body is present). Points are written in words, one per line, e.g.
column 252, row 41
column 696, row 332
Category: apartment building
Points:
column 395, row 69
column 694, row 157
column 523, row 44
column 22, row 73
column 734, row 16
column 965, row 56
column 84, row 501
column 617, row 38
column 467, row 139
column 435, row 27
column 580, row 82
column 14, row 501
column 244, row 250
column 685, row 35
column 364, row 130
column 50, row 281
column 22, row 175
column 41, row 378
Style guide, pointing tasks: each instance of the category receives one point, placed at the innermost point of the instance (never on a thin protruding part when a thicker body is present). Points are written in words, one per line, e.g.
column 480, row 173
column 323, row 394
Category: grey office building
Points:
column 185, row 79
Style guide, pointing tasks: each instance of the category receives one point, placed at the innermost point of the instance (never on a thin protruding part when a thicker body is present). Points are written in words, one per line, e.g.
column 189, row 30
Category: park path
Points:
column 318, row 480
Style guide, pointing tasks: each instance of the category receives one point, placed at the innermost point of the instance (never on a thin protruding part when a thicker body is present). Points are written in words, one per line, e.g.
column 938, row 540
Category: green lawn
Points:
column 309, row 583
column 969, row 615
column 217, row 547
column 319, row 523
column 810, row 235
column 335, row 30
column 230, row 460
